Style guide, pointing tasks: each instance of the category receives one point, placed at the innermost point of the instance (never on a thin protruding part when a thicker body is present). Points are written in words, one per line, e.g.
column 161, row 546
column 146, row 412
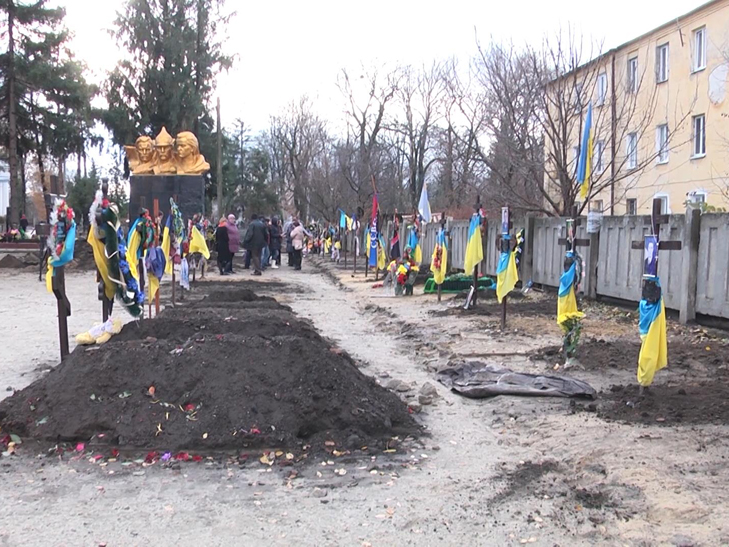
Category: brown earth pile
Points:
column 233, row 371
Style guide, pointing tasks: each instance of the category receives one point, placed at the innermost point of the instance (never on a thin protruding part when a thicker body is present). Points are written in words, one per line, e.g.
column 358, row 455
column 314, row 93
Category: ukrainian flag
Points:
column 134, row 244
column 474, row 247
column 197, row 243
column 654, row 345
column 66, row 256
column 439, row 261
column 167, row 244
column 381, row 255
column 97, row 246
column 566, row 299
column 344, row 221
column 414, row 244
column 507, row 273
column 584, row 164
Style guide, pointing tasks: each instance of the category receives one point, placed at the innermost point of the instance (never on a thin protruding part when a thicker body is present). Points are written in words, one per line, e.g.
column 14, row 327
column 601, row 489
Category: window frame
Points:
column 579, row 89
column 662, row 150
column 632, row 152
column 596, row 206
column 602, row 78
column 666, row 199
column 702, row 153
column 597, row 157
column 628, row 203
column 695, row 66
column 633, row 74
column 662, row 78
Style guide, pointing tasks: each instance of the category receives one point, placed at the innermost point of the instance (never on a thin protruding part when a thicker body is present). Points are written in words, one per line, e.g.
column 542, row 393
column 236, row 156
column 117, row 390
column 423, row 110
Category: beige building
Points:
column 660, row 106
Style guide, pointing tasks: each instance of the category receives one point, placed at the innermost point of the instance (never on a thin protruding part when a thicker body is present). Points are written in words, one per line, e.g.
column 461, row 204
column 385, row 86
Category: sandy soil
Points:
column 505, row 471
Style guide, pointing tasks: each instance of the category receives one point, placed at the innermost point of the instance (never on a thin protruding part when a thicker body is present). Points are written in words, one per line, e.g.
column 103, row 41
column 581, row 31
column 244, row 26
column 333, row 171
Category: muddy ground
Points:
column 504, row 471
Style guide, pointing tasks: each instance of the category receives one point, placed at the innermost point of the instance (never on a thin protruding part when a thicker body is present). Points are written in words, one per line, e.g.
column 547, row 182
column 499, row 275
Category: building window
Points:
column 662, row 143
column 597, row 160
column 662, row 63
column 601, row 88
column 596, row 206
column 699, row 136
column 665, row 210
column 631, row 206
column 699, row 49
column 633, row 75
column 697, row 196
column 632, row 151
column 578, row 97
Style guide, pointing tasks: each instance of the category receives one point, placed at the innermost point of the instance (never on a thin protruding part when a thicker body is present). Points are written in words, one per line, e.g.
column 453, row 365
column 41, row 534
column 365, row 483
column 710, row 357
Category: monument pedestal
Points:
column 153, row 192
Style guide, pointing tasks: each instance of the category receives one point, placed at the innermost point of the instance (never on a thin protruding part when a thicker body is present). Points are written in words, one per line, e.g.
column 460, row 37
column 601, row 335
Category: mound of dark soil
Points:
column 669, row 404
column 228, row 374
column 622, row 354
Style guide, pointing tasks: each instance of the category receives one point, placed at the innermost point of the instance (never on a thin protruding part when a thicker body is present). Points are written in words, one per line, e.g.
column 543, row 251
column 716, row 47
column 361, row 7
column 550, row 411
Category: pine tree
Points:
column 168, row 77
column 45, row 98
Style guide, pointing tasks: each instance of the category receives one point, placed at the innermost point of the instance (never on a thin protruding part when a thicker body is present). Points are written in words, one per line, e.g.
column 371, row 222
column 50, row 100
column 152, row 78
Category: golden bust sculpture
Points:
column 189, row 159
column 164, row 144
column 142, row 156
column 165, row 155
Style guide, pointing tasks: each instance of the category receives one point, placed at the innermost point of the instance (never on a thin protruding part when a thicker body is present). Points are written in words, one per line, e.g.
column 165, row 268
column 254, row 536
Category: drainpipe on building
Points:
column 613, row 110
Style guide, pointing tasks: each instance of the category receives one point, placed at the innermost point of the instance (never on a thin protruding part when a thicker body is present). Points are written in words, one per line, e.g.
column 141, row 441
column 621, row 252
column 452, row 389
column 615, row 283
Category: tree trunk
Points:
column 16, row 187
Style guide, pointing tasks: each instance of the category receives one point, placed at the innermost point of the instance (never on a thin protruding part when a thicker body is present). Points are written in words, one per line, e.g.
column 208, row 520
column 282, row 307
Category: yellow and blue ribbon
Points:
column 654, row 344
column 66, row 256
column 566, row 299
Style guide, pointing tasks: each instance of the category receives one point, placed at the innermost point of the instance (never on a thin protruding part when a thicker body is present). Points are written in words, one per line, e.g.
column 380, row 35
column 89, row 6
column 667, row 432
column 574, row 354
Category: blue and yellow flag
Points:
column 507, row 274
column 474, row 247
column 584, row 164
column 344, row 221
column 102, row 264
column 381, row 254
column 439, row 260
column 134, row 244
column 566, row 299
column 416, row 251
column 66, row 256
column 654, row 345
column 167, row 244
column 197, row 243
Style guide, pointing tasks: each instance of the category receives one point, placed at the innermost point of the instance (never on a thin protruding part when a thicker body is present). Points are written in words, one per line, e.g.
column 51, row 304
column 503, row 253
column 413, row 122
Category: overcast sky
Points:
column 288, row 48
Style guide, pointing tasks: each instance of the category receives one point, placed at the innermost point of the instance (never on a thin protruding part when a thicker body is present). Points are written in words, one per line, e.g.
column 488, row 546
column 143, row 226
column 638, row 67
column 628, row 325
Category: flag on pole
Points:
column 395, row 243
column 372, row 251
column 654, row 346
column 381, row 254
column 167, row 244
column 416, row 251
column 507, row 274
column 134, row 245
column 198, row 244
column 344, row 221
column 424, row 205
column 584, row 164
column 439, row 261
column 474, row 247
column 566, row 299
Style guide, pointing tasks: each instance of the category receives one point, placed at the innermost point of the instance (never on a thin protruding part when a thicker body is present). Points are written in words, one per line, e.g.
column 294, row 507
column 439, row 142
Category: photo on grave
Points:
column 650, row 260
column 504, row 220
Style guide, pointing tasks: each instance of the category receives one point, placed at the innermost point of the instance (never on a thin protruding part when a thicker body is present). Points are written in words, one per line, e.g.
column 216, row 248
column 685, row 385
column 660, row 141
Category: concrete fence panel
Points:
column 712, row 280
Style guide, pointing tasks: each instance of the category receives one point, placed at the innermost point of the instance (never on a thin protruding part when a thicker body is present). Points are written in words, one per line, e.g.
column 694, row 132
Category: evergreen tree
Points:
column 43, row 94
column 168, row 77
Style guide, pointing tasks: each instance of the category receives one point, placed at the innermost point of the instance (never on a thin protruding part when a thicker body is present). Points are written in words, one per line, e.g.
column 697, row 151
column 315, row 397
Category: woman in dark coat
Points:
column 222, row 246
column 275, row 242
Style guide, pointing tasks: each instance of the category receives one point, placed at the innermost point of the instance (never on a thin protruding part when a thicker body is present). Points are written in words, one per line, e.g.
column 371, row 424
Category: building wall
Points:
column 4, row 191
column 686, row 93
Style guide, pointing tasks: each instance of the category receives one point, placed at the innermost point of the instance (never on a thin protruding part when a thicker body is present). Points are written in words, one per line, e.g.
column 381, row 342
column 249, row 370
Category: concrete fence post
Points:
column 592, row 259
column 689, row 274
column 527, row 269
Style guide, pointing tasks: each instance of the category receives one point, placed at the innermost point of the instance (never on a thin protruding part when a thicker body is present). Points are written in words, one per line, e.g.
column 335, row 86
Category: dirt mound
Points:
column 83, row 256
column 669, row 404
column 224, row 379
column 622, row 353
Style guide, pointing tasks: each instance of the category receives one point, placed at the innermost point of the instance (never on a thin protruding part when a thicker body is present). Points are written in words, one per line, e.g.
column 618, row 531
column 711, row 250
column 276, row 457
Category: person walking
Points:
column 275, row 243
column 222, row 246
column 266, row 255
column 233, row 240
column 254, row 241
column 289, row 245
column 297, row 242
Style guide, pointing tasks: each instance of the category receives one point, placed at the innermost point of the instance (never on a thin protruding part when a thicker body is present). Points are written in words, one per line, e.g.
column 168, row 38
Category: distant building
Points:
column 671, row 141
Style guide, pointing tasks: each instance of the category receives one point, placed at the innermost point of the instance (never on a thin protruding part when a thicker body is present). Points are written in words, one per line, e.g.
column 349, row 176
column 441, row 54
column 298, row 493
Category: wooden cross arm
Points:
column 659, row 219
column 662, row 245
column 577, row 242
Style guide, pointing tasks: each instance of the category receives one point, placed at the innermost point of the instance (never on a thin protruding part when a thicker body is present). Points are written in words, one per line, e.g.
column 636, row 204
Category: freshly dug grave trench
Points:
column 260, row 379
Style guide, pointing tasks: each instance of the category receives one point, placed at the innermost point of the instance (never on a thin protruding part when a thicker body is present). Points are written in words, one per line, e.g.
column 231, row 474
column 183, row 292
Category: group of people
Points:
column 262, row 243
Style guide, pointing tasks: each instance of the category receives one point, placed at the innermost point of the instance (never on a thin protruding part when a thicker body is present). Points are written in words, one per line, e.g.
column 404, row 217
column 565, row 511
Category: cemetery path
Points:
column 504, row 471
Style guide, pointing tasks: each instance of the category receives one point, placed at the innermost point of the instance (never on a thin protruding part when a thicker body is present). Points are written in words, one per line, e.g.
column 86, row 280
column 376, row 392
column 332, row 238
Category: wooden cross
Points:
column 651, row 290
column 506, row 226
column 58, row 285
column 571, row 242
